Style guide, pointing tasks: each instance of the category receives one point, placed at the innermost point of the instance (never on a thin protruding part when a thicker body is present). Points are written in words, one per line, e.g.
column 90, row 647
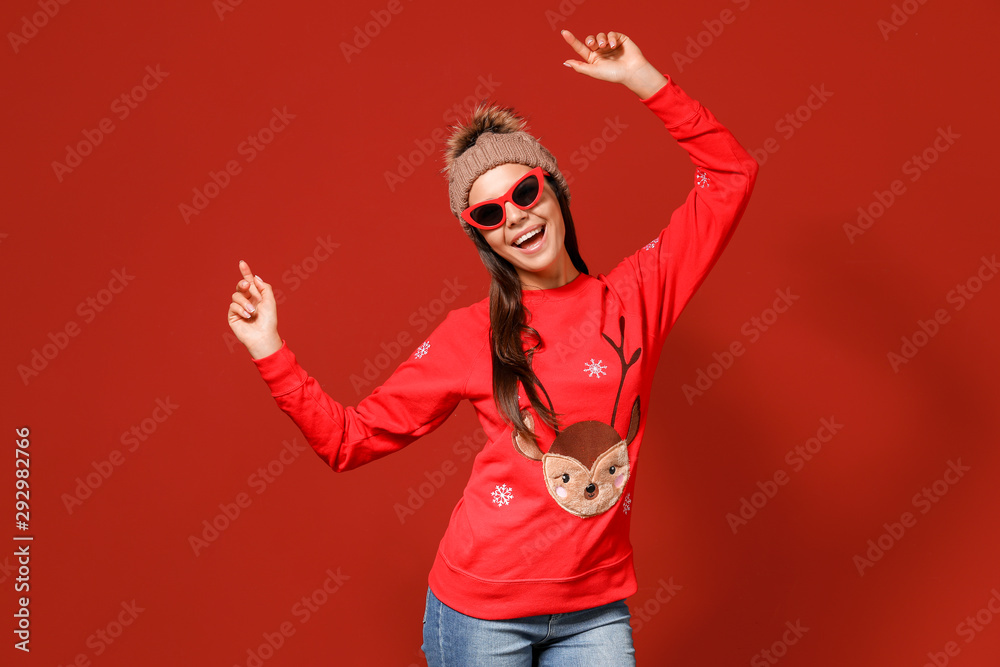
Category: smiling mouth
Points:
column 530, row 238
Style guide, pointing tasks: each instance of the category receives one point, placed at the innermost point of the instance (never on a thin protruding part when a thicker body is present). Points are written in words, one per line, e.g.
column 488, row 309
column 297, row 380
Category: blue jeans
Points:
column 601, row 637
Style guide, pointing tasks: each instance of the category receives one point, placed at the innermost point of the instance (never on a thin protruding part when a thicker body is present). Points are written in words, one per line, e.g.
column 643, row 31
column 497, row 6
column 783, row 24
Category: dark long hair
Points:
column 509, row 323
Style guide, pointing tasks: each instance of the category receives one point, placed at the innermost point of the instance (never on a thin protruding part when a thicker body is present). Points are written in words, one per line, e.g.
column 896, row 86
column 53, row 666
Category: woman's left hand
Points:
column 608, row 56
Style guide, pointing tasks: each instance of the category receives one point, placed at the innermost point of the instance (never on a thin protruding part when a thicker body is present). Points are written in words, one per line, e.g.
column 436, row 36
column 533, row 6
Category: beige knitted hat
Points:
column 493, row 136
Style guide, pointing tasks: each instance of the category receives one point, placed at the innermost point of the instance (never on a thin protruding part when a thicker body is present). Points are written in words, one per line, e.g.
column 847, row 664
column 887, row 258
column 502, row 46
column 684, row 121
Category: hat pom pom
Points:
column 487, row 117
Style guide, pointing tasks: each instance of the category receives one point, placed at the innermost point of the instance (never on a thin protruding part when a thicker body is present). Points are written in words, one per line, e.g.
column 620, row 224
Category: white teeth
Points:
column 525, row 237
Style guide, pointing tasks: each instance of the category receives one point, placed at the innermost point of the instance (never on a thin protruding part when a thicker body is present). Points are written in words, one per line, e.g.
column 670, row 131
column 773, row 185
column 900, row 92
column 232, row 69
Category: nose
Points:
column 514, row 214
column 591, row 491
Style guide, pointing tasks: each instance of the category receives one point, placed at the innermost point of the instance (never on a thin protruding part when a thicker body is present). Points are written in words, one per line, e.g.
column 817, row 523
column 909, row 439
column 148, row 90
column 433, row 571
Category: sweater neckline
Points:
column 562, row 292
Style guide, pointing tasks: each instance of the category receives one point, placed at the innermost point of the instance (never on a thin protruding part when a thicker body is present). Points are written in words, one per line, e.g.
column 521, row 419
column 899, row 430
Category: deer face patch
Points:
column 587, row 466
column 587, row 491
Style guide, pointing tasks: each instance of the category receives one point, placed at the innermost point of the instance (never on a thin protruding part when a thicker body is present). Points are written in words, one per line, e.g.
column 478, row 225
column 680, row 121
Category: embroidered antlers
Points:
column 587, row 465
column 620, row 349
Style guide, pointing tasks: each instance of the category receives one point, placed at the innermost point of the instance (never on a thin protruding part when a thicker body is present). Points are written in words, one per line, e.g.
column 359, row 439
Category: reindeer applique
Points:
column 587, row 466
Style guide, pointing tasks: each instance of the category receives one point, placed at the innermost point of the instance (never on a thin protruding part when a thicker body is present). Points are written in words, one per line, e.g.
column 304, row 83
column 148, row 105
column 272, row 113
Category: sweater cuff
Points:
column 671, row 104
column 280, row 371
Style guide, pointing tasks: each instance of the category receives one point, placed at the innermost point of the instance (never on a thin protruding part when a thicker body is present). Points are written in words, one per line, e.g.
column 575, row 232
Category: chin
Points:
column 531, row 262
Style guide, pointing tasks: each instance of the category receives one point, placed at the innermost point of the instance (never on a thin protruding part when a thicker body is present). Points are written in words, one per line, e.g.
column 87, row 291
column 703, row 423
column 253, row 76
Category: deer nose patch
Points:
column 591, row 491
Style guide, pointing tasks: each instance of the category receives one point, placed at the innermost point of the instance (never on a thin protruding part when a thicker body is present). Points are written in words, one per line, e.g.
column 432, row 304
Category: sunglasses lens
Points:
column 526, row 192
column 487, row 215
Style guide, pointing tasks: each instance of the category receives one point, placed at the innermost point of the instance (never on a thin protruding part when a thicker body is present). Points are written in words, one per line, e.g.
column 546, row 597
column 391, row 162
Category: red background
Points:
column 164, row 335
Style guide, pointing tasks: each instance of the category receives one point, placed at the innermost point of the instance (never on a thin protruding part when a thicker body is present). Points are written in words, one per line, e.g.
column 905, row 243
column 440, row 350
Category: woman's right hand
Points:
column 253, row 314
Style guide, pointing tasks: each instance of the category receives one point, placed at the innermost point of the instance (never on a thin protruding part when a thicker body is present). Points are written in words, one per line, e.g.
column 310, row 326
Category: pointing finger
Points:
column 245, row 270
column 577, row 45
column 252, row 285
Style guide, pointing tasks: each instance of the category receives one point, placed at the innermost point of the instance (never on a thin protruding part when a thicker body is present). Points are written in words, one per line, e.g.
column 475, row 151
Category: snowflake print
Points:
column 595, row 368
column 422, row 350
column 627, row 507
column 702, row 179
column 651, row 244
column 503, row 495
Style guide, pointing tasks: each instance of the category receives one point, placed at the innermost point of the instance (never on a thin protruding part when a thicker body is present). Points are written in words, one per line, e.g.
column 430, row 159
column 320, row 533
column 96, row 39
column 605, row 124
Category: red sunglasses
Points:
column 524, row 194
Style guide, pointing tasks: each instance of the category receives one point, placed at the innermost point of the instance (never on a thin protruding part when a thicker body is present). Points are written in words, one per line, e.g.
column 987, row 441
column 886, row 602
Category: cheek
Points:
column 554, row 218
column 561, row 492
column 495, row 237
column 619, row 480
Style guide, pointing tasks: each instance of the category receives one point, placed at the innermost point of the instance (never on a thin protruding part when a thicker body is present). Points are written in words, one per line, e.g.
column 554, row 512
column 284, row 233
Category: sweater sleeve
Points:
column 418, row 397
column 662, row 276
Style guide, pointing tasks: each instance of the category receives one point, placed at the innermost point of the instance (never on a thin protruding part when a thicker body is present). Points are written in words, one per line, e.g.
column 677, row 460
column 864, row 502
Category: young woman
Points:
column 536, row 561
